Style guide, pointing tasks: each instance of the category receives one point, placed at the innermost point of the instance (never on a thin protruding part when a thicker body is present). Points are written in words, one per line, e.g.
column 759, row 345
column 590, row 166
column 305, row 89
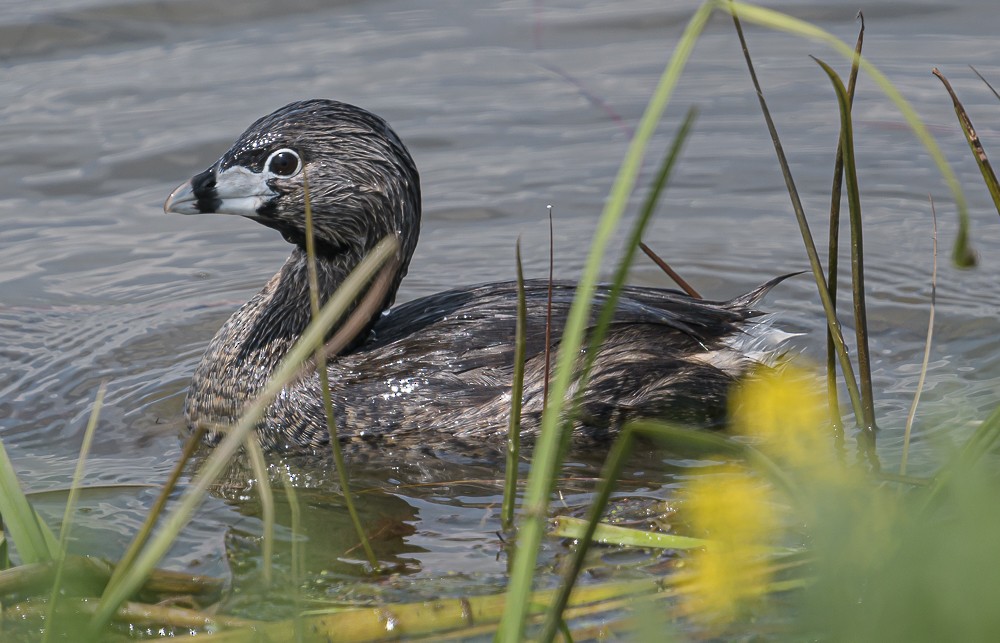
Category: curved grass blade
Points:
column 33, row 539
column 610, row 305
column 833, row 253
column 516, row 393
column 217, row 462
column 978, row 153
column 546, row 460
column 927, row 352
column 631, row 246
column 324, row 379
column 548, row 314
column 857, row 253
column 298, row 547
column 156, row 510
column 962, row 254
column 67, row 522
column 800, row 216
column 610, row 472
column 258, row 465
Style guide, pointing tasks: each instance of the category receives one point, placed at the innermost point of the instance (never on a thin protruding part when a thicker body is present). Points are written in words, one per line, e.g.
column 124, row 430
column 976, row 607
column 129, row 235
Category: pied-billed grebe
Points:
column 437, row 369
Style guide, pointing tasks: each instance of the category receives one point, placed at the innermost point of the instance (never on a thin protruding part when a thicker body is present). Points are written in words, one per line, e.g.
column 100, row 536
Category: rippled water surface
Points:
column 507, row 107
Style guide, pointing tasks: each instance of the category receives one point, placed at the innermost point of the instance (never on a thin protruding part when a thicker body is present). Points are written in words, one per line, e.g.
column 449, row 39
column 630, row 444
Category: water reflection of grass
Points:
column 786, row 538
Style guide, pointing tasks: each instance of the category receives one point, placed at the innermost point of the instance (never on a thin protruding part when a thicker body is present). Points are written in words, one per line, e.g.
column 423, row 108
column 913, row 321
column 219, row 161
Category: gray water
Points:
column 507, row 107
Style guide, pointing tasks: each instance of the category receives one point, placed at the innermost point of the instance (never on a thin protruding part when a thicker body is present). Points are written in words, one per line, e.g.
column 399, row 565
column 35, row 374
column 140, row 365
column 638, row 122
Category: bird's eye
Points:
column 284, row 162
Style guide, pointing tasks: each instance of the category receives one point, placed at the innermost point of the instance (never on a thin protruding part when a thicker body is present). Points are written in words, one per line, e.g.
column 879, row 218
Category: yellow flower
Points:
column 735, row 511
column 784, row 407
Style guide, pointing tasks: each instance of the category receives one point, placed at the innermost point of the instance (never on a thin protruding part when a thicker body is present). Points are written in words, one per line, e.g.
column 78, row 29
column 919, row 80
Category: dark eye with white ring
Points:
column 284, row 162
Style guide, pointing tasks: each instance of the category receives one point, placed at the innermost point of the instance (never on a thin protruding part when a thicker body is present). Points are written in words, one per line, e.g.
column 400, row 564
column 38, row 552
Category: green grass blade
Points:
column 610, row 305
column 545, row 462
column 962, row 254
column 610, row 472
column 219, row 460
column 972, row 138
column 625, row 263
column 833, row 252
column 807, row 239
column 297, row 548
column 516, row 393
column 547, row 376
column 568, row 527
column 154, row 513
column 324, row 379
column 857, row 252
column 67, row 522
column 618, row 536
column 258, row 465
column 32, row 538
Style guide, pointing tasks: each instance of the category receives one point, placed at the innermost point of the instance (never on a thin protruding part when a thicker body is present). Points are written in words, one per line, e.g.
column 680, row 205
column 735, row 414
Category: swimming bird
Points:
column 434, row 371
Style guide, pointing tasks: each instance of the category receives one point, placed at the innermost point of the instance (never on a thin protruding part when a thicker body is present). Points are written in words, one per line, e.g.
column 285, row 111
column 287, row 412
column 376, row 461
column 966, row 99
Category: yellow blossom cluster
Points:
column 734, row 510
column 782, row 412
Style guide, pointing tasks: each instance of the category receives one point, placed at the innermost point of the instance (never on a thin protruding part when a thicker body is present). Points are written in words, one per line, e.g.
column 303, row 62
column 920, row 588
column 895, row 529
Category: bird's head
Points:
column 361, row 182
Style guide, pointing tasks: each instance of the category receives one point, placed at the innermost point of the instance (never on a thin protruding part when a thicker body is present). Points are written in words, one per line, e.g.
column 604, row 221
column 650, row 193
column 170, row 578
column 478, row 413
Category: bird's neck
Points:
column 249, row 347
column 278, row 316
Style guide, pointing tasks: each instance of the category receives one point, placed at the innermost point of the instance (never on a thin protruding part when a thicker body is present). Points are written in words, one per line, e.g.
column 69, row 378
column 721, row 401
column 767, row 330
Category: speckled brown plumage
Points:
column 437, row 370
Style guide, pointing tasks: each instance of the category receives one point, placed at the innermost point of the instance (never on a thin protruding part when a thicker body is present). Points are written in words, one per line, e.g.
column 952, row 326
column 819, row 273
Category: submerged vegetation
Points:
column 779, row 531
